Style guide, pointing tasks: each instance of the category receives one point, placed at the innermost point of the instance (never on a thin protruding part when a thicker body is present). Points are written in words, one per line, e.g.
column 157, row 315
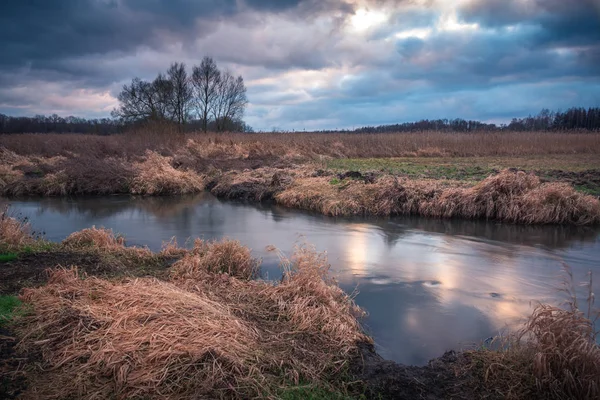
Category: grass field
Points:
column 438, row 172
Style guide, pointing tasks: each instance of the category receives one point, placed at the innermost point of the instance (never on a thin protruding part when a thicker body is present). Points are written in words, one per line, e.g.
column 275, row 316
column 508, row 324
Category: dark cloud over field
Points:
column 310, row 63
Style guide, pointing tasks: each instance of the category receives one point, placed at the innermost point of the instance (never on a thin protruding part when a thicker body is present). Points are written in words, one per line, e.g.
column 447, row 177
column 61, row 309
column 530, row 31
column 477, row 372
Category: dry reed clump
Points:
column 156, row 176
column 226, row 256
column 14, row 233
column 256, row 185
column 387, row 196
column 136, row 339
column 61, row 176
column 318, row 194
column 312, row 300
column 8, row 160
column 102, row 239
column 8, row 175
column 515, row 197
column 201, row 335
column 555, row 356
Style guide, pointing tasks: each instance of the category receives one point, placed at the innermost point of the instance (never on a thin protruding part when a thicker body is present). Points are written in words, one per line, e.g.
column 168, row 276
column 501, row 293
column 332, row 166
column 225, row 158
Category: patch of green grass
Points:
column 7, row 257
column 8, row 305
column 581, row 171
column 310, row 392
column 38, row 247
column 588, row 189
column 414, row 169
column 334, row 181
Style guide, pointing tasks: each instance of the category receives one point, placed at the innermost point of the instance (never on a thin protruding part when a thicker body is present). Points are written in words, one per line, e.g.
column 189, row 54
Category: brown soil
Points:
column 12, row 364
column 29, row 270
column 589, row 179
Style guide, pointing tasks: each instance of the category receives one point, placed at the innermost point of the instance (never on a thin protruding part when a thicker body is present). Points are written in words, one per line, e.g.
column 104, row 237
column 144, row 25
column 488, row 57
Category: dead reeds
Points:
column 306, row 145
column 555, row 355
column 156, row 176
column 208, row 332
column 217, row 257
column 509, row 196
column 102, row 239
column 14, row 232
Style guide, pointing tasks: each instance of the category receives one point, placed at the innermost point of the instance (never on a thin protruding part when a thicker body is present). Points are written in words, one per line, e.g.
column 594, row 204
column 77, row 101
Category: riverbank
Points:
column 529, row 179
column 109, row 327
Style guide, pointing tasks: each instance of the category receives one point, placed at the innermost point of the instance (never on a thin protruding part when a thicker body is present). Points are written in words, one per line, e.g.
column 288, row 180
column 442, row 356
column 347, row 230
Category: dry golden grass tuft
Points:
column 201, row 334
column 137, row 339
column 102, row 239
column 253, row 185
column 226, row 256
column 156, row 176
column 516, row 197
column 14, row 233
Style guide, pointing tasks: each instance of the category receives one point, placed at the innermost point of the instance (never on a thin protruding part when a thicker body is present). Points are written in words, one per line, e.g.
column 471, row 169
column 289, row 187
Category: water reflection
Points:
column 428, row 285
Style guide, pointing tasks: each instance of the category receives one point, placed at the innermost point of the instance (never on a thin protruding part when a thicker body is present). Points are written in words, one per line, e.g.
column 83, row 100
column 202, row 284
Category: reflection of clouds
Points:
column 428, row 285
column 357, row 249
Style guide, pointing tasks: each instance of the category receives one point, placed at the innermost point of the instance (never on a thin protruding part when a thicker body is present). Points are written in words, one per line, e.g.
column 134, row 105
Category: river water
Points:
column 428, row 285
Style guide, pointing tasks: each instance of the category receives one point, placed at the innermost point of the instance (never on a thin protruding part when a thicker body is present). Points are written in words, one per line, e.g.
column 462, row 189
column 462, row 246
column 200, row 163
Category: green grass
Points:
column 475, row 169
column 6, row 257
column 310, row 392
column 413, row 169
column 8, row 305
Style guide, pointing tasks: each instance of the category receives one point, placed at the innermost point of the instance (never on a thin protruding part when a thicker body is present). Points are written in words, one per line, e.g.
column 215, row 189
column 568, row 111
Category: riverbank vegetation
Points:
column 199, row 323
column 514, row 177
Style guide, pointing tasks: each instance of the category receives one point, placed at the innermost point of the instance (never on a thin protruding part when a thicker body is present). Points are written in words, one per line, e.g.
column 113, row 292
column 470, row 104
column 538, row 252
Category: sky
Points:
column 310, row 64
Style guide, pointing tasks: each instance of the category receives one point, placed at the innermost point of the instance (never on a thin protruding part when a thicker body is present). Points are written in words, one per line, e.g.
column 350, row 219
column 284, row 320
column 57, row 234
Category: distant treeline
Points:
column 102, row 126
column 571, row 119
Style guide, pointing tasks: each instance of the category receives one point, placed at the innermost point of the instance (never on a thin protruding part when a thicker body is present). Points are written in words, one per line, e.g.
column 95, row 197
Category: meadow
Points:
column 517, row 177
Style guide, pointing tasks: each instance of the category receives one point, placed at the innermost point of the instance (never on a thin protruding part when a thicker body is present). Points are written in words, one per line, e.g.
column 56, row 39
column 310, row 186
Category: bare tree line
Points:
column 209, row 95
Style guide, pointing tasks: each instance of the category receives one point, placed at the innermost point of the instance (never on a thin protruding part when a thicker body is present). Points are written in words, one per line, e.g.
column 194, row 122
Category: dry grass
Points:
column 14, row 233
column 242, row 166
column 103, row 239
column 200, row 335
column 508, row 196
column 305, row 145
column 225, row 256
column 516, row 197
column 156, row 176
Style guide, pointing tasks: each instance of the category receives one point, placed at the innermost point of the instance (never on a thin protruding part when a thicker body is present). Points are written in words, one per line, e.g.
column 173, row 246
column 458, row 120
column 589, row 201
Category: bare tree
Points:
column 230, row 101
column 138, row 101
column 174, row 95
column 205, row 79
column 181, row 93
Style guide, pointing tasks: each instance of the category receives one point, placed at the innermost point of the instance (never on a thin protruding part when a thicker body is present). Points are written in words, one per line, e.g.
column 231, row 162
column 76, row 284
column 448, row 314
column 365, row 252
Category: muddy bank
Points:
column 588, row 180
column 30, row 270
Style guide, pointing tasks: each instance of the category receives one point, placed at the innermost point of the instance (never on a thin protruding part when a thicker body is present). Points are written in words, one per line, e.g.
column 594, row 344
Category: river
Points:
column 428, row 285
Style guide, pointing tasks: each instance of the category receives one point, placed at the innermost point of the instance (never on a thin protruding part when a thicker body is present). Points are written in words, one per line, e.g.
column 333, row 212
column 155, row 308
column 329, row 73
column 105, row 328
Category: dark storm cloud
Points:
column 304, row 60
column 559, row 21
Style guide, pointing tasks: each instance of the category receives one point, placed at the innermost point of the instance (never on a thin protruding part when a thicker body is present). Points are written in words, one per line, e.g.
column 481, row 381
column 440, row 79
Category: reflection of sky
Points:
column 429, row 286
